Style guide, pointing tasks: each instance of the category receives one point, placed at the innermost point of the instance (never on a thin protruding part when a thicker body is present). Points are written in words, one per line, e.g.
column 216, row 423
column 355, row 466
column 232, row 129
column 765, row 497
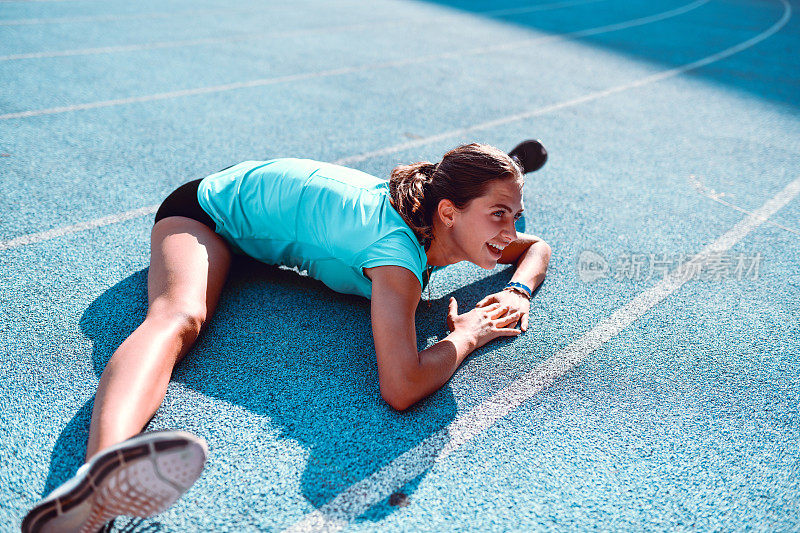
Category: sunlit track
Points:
column 112, row 219
column 35, row 1
column 356, row 499
column 170, row 14
column 198, row 42
column 108, row 18
column 362, row 68
column 287, row 33
column 656, row 385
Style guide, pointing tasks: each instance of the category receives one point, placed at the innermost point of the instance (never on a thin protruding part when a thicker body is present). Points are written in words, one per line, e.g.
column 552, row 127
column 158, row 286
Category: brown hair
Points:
column 463, row 174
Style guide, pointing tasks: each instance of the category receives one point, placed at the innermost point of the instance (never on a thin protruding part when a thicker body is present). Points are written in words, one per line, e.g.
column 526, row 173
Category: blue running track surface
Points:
column 657, row 387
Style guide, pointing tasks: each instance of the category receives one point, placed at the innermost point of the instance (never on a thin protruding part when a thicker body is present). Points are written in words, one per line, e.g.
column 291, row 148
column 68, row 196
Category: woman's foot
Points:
column 141, row 476
column 530, row 155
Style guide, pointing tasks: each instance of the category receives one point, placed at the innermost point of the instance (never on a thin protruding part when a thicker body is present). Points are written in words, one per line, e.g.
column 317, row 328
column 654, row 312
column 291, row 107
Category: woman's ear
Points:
column 447, row 211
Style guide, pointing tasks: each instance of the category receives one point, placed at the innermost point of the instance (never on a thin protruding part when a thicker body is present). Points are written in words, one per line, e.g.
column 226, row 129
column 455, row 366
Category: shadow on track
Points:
column 287, row 348
column 762, row 70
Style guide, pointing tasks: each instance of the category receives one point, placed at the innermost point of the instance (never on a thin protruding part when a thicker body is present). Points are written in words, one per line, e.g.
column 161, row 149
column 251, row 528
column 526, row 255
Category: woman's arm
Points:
column 531, row 255
column 406, row 375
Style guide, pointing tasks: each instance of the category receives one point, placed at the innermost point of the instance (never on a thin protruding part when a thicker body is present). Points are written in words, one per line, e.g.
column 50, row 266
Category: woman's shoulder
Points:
column 396, row 278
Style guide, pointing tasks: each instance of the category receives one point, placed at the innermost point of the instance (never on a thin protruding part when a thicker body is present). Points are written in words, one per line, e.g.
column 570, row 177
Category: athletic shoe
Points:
column 140, row 477
column 530, row 155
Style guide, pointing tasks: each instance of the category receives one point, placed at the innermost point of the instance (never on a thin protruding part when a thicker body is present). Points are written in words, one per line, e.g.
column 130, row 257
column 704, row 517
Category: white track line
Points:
column 359, row 497
column 32, row 238
column 261, row 35
column 717, row 197
column 745, row 211
column 531, row 9
column 108, row 18
column 196, row 42
column 350, row 70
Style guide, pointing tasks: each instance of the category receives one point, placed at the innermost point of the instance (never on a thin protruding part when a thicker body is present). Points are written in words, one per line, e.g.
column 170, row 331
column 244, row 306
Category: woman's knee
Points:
column 187, row 320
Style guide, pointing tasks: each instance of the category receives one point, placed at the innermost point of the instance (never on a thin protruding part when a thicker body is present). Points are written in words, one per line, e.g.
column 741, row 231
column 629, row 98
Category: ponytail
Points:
column 408, row 185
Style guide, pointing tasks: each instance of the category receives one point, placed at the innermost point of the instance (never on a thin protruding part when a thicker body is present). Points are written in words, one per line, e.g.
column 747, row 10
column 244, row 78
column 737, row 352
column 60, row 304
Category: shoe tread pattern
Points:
column 140, row 479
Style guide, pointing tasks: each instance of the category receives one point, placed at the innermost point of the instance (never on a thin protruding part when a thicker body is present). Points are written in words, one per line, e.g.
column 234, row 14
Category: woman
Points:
column 388, row 237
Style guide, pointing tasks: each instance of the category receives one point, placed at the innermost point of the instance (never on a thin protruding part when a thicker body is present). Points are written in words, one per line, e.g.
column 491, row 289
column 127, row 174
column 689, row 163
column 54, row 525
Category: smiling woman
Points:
column 356, row 233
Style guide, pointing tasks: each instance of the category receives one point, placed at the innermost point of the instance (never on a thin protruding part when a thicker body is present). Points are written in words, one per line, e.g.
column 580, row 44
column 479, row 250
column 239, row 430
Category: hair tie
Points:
column 428, row 170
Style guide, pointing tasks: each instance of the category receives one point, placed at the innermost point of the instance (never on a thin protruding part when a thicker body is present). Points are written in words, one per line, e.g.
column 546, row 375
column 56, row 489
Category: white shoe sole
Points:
column 140, row 477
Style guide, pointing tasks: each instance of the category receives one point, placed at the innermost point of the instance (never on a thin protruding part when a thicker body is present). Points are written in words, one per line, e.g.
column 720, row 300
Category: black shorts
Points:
column 183, row 202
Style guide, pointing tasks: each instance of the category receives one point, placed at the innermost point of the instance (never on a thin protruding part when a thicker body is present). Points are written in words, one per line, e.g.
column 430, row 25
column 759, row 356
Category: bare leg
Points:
column 188, row 267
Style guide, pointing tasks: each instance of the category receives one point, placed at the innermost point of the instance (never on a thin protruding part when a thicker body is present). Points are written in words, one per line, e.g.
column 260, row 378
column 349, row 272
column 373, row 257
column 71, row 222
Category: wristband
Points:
column 519, row 287
column 518, row 291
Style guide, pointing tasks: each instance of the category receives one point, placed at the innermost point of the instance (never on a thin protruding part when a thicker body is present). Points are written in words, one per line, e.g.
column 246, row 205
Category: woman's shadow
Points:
column 288, row 348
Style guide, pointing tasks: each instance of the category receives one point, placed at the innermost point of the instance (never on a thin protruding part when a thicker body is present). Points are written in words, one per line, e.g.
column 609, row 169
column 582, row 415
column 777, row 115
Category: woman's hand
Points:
column 482, row 324
column 515, row 302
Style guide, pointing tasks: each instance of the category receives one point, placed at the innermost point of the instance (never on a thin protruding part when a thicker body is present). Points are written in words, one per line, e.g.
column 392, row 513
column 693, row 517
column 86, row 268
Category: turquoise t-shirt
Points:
column 330, row 220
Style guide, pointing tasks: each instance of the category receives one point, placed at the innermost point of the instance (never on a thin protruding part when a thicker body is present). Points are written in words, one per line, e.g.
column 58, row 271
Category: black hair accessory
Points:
column 530, row 155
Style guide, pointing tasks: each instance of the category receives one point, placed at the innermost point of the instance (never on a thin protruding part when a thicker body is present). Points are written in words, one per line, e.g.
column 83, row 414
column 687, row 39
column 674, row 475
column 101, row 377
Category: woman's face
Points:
column 488, row 219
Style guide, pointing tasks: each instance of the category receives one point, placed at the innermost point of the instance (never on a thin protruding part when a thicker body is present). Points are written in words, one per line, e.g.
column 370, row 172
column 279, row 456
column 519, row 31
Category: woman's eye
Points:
column 500, row 213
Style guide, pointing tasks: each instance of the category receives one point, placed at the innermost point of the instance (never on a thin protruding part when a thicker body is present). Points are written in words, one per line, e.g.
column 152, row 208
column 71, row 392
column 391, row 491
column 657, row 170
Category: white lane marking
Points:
column 195, row 42
column 109, row 18
column 359, row 497
column 531, row 9
column 717, row 197
column 184, row 92
column 289, row 33
column 350, row 70
column 32, row 238
column 745, row 211
column 95, row 18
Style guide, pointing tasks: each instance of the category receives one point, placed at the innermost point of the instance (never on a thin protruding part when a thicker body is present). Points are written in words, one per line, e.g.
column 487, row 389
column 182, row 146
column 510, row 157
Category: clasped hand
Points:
column 494, row 316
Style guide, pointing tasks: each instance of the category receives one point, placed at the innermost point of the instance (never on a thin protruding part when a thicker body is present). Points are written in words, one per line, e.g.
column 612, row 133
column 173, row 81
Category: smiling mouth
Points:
column 494, row 249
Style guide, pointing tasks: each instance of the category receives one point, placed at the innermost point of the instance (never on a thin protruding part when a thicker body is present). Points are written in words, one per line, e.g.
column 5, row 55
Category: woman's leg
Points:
column 188, row 267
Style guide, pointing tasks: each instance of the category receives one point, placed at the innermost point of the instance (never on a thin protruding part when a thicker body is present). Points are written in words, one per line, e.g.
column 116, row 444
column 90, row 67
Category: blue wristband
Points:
column 517, row 285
